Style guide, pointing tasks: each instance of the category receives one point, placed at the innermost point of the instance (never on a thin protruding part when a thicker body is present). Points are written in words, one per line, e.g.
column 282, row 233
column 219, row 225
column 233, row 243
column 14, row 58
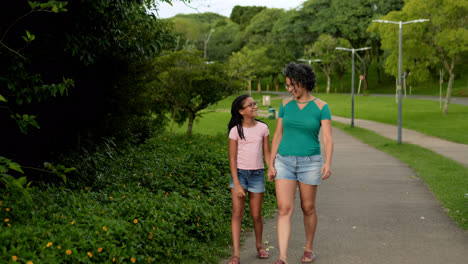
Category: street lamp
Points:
column 206, row 42
column 310, row 61
column 352, row 78
column 400, row 65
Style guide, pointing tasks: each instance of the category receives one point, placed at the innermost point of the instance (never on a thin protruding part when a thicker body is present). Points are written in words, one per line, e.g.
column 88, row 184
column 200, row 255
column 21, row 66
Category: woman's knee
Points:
column 308, row 209
column 285, row 209
column 238, row 213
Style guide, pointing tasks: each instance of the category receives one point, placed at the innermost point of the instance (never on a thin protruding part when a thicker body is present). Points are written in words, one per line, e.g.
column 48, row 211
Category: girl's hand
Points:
column 271, row 173
column 239, row 191
column 326, row 171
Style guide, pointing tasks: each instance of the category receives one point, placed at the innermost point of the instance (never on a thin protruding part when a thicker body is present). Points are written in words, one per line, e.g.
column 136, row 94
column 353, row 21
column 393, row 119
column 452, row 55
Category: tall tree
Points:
column 442, row 40
column 190, row 84
column 243, row 14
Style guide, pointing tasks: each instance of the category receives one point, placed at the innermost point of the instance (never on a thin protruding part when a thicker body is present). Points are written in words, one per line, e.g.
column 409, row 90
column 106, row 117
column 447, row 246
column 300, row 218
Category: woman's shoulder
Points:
column 287, row 101
column 320, row 103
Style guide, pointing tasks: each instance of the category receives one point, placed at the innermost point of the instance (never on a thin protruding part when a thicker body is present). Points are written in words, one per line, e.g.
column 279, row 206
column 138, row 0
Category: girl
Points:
column 248, row 137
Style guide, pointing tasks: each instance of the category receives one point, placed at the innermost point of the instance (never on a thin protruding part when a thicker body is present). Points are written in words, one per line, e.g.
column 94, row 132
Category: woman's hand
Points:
column 239, row 191
column 326, row 171
column 271, row 173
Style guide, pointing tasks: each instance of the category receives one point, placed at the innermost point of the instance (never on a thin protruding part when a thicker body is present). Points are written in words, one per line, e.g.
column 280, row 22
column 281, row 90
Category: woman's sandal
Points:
column 262, row 253
column 308, row 257
column 280, row 261
column 234, row 260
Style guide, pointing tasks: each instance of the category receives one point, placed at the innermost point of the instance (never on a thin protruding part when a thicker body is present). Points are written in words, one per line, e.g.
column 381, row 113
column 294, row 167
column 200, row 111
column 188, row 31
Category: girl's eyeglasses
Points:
column 251, row 105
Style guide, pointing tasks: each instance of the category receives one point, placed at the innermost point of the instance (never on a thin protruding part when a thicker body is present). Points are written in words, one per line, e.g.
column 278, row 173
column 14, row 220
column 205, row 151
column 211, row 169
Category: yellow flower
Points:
column 111, row 198
column 113, row 259
column 135, row 221
column 49, row 244
column 150, row 236
column 7, row 209
column 90, row 254
column 1, row 202
column 29, row 262
column 14, row 258
column 125, row 186
column 73, row 222
column 86, row 188
column 198, row 224
column 99, row 250
column 7, row 220
column 59, row 247
column 104, row 228
column 68, row 252
column 198, row 219
column 133, row 260
column 123, row 196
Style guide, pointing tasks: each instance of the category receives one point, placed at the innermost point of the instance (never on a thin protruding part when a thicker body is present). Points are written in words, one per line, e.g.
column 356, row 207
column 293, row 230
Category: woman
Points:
column 296, row 157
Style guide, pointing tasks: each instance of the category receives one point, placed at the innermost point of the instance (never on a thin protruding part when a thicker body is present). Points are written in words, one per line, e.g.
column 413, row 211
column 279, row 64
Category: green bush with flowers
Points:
column 167, row 200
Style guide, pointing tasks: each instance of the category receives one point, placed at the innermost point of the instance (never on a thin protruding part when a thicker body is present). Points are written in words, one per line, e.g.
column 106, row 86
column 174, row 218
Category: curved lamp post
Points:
column 206, row 43
column 352, row 78
column 400, row 56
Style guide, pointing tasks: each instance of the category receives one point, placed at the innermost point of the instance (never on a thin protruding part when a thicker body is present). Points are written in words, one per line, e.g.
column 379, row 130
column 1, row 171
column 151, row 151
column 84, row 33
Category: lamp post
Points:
column 206, row 43
column 310, row 61
column 352, row 78
column 400, row 56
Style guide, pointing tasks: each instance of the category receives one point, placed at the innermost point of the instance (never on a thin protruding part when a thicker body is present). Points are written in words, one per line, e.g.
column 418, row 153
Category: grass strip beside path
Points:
column 447, row 179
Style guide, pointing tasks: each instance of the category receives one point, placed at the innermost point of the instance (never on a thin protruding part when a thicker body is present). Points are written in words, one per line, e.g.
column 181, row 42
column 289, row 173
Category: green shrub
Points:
column 166, row 200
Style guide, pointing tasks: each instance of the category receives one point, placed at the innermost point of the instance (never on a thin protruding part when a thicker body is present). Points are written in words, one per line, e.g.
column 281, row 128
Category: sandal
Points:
column 262, row 253
column 308, row 257
column 234, row 260
column 280, row 261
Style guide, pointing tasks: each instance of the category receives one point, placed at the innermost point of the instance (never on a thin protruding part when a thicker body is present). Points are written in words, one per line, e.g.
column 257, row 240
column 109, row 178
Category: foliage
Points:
column 441, row 42
column 190, row 84
column 243, row 15
column 164, row 201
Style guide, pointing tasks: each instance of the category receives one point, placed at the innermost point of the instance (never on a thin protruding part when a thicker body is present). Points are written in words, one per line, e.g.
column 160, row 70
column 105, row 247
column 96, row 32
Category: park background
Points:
column 113, row 135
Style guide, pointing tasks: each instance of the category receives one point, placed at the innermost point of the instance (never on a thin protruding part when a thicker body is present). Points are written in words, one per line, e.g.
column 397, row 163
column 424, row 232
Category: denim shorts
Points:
column 304, row 169
column 251, row 180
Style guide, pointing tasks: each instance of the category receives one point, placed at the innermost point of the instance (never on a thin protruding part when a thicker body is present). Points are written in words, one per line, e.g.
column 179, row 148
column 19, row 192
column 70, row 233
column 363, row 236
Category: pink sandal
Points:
column 308, row 257
column 280, row 261
column 234, row 260
column 263, row 254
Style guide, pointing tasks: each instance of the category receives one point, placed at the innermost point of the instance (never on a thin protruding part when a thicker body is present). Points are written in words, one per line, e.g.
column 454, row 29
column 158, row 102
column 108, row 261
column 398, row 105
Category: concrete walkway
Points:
column 372, row 210
column 455, row 151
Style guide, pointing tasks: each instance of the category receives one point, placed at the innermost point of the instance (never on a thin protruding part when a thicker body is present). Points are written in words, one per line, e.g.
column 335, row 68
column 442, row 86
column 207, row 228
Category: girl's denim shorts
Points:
column 305, row 169
column 251, row 180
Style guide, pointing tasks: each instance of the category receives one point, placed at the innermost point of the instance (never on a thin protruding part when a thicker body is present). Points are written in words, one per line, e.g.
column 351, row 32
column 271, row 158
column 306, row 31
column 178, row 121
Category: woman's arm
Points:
column 274, row 149
column 328, row 144
column 233, row 165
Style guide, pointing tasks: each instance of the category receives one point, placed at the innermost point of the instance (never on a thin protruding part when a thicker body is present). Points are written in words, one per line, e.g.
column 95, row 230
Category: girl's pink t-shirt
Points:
column 250, row 149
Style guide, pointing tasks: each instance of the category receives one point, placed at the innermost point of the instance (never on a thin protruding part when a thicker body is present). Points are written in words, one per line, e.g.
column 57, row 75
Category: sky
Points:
column 222, row 7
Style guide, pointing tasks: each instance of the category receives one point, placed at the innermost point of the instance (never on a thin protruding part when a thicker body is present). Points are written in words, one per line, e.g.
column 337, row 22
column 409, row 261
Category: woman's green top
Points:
column 301, row 128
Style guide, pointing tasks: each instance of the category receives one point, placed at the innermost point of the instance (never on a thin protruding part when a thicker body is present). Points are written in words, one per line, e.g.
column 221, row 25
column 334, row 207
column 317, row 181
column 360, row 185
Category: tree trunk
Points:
column 328, row 83
column 259, row 80
column 190, row 124
column 449, row 92
column 450, row 69
column 378, row 70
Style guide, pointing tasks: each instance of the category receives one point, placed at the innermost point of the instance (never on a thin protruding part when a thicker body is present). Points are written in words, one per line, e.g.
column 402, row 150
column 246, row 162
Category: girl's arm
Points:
column 266, row 149
column 274, row 149
column 328, row 144
column 233, row 165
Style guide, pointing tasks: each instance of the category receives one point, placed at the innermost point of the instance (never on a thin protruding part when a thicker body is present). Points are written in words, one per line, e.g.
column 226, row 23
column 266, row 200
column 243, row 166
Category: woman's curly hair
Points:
column 300, row 73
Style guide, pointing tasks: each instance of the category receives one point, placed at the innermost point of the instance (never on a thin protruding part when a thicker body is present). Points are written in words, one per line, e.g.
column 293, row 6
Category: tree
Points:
column 190, row 84
column 324, row 49
column 245, row 64
column 243, row 14
column 442, row 40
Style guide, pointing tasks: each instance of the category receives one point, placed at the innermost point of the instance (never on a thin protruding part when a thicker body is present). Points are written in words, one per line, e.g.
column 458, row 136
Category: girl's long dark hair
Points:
column 236, row 117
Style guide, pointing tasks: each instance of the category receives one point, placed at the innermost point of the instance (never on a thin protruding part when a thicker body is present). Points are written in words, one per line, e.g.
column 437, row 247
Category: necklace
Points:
column 306, row 101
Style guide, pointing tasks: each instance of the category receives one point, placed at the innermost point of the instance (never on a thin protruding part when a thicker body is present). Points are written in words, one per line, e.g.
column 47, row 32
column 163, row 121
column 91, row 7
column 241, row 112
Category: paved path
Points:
column 372, row 210
column 455, row 151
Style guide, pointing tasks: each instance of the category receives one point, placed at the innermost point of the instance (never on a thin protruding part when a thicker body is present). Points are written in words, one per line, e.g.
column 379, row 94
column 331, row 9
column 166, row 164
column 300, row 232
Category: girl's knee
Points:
column 238, row 213
column 285, row 209
column 308, row 209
